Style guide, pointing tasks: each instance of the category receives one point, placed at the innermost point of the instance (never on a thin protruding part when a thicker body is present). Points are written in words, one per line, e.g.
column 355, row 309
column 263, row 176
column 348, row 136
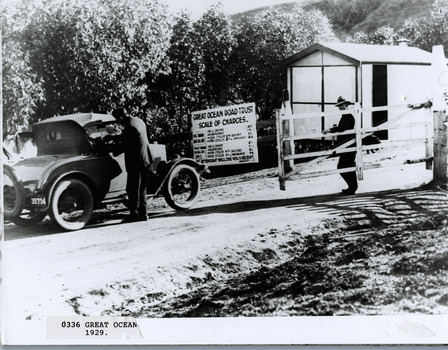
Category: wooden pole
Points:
column 281, row 164
column 286, row 129
column 429, row 139
column 439, row 66
column 288, row 112
column 359, row 165
column 440, row 148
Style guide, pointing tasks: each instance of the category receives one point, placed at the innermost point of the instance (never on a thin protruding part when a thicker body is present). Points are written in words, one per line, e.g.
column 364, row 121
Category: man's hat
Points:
column 120, row 113
column 342, row 101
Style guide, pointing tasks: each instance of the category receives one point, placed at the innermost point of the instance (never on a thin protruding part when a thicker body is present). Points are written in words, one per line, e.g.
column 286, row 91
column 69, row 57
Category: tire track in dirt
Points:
column 351, row 267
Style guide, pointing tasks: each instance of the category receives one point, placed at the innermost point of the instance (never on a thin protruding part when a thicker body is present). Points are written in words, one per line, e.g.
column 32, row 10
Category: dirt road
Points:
column 247, row 248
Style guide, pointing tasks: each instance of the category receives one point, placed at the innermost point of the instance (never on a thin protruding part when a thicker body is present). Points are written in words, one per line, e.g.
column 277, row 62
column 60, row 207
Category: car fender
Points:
column 52, row 167
column 10, row 169
column 172, row 164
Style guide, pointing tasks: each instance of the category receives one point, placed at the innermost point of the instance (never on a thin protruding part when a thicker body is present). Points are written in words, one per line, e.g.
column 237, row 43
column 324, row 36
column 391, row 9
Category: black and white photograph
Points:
column 224, row 172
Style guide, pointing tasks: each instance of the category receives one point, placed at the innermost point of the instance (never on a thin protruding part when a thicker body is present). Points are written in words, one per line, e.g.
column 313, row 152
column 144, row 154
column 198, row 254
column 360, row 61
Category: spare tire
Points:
column 13, row 194
column 182, row 187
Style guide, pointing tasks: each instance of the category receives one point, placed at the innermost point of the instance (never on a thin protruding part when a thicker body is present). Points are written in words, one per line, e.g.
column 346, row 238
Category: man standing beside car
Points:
column 137, row 161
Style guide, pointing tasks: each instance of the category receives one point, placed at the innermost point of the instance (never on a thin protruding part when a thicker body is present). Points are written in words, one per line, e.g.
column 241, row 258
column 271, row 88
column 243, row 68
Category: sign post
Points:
column 225, row 135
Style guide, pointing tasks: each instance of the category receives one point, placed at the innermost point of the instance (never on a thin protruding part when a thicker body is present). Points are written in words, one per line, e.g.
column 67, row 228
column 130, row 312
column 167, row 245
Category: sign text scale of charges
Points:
column 225, row 135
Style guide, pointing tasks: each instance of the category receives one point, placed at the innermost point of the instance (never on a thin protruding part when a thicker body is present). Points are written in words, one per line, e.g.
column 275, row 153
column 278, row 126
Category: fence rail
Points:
column 286, row 140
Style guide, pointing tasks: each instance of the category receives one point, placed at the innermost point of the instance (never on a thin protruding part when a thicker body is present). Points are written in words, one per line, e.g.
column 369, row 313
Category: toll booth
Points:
column 373, row 75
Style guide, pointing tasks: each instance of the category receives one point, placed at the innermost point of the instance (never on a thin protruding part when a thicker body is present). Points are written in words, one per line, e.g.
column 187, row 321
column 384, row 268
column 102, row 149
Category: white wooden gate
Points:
column 286, row 140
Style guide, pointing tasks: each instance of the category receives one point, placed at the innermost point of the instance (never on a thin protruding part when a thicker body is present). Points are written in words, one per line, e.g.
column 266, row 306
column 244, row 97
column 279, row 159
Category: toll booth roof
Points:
column 369, row 54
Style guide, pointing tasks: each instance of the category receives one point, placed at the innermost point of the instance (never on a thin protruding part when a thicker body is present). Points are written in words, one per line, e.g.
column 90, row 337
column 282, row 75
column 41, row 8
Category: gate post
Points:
column 439, row 68
column 289, row 129
column 440, row 147
column 429, row 139
column 281, row 164
column 359, row 165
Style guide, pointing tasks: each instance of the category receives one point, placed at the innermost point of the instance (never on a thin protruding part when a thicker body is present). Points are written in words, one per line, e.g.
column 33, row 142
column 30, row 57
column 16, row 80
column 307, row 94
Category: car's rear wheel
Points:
column 71, row 204
column 12, row 195
column 182, row 187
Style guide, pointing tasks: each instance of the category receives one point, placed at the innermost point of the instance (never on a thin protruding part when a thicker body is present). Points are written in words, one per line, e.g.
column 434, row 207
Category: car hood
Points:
column 32, row 169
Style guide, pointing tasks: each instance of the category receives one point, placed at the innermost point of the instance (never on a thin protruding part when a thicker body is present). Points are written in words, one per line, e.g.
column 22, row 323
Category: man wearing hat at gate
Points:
column 346, row 160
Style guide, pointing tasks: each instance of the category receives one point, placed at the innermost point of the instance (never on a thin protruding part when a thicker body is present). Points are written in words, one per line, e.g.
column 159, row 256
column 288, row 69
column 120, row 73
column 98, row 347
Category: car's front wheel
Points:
column 71, row 204
column 182, row 187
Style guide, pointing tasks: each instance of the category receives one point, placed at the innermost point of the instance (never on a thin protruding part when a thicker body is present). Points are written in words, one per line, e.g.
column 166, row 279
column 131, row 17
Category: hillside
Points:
column 351, row 16
column 394, row 13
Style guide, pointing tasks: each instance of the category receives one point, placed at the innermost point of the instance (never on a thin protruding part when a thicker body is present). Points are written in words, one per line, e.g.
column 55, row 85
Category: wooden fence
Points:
column 286, row 141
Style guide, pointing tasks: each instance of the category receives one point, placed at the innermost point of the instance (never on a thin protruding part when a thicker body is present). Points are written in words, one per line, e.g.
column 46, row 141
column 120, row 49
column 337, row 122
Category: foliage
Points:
column 121, row 46
column 91, row 55
column 216, row 42
column 62, row 56
column 21, row 86
column 345, row 14
column 351, row 16
column 158, row 124
column 384, row 36
column 431, row 30
column 381, row 36
column 263, row 42
column 178, row 90
column 198, row 60
column 423, row 33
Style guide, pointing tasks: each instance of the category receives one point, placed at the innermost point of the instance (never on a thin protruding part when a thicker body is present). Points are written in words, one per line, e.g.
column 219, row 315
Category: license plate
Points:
column 38, row 201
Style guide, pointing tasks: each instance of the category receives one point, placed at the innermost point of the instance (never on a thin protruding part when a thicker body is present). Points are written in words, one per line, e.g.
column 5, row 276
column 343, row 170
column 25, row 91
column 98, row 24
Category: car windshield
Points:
column 104, row 136
column 100, row 130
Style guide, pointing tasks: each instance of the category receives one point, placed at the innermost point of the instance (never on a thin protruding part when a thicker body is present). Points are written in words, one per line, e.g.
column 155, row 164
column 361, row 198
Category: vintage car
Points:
column 77, row 171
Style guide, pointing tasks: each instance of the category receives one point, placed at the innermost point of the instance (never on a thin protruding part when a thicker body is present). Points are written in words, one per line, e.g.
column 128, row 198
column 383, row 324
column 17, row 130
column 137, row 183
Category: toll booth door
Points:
column 379, row 98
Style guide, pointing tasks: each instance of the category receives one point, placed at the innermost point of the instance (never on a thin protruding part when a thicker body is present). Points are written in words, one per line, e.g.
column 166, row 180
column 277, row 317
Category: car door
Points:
column 107, row 136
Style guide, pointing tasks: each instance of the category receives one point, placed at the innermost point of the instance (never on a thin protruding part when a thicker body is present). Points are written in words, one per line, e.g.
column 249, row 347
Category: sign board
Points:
column 225, row 135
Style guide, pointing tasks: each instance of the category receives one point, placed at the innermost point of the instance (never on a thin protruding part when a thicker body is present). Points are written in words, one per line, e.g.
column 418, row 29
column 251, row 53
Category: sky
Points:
column 197, row 7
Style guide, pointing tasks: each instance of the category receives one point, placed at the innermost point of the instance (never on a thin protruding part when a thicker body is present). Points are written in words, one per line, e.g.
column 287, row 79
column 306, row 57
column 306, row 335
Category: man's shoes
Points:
column 348, row 191
column 130, row 218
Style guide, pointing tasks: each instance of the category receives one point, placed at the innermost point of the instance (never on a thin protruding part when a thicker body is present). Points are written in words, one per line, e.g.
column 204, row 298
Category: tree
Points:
column 215, row 40
column 382, row 36
column 198, row 64
column 89, row 55
column 178, row 91
column 264, row 41
column 429, row 31
column 121, row 46
column 423, row 33
column 21, row 86
column 346, row 14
